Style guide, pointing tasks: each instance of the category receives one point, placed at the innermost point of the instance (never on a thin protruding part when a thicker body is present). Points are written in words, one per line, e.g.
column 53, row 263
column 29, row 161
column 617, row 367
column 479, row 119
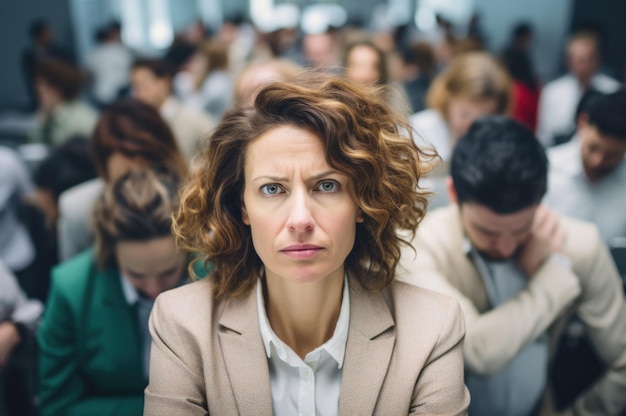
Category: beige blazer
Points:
column 403, row 355
column 591, row 287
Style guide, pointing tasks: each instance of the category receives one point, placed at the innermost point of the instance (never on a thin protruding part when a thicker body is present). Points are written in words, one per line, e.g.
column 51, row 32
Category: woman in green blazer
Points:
column 94, row 341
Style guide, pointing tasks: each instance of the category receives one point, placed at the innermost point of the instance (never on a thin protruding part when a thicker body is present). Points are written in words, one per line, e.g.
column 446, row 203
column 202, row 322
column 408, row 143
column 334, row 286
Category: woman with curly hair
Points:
column 297, row 203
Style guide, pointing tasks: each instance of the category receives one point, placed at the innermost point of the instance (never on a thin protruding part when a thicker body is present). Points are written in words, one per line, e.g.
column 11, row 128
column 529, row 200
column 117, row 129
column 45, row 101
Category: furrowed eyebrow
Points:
column 282, row 179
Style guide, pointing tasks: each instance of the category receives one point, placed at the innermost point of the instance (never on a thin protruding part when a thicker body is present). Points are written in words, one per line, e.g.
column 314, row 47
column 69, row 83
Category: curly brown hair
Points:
column 362, row 138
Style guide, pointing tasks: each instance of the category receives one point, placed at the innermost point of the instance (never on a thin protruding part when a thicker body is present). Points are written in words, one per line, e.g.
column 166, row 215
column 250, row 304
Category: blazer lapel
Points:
column 112, row 330
column 370, row 344
column 465, row 275
column 244, row 356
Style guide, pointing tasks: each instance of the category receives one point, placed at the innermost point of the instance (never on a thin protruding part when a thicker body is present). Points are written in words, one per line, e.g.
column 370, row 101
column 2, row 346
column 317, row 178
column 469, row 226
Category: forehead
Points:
column 483, row 217
column 285, row 146
column 152, row 256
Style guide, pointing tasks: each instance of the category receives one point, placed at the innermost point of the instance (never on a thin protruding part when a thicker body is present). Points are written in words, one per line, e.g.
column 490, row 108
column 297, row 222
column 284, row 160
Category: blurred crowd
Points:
column 119, row 133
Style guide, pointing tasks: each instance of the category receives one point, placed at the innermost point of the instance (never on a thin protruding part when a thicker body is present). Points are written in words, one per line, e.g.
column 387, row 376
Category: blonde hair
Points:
column 136, row 207
column 473, row 75
column 362, row 138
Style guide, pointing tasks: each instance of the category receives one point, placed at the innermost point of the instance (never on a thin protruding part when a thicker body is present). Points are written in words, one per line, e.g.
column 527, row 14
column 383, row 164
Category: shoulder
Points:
column 563, row 154
column 605, row 83
column 190, row 309
column 444, row 218
column 557, row 85
column 81, row 197
column 582, row 239
column 427, row 120
column 72, row 275
column 410, row 300
column 422, row 314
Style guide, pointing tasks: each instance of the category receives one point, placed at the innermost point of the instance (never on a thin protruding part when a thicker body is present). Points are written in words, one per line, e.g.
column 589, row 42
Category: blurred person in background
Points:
column 61, row 113
column 322, row 51
column 17, row 250
column 366, row 64
column 109, row 65
column 419, row 69
column 474, row 85
column 588, row 174
column 213, row 89
column 19, row 317
column 151, row 82
column 520, row 271
column 129, row 134
column 42, row 48
column 94, row 341
column 517, row 60
column 257, row 74
column 560, row 97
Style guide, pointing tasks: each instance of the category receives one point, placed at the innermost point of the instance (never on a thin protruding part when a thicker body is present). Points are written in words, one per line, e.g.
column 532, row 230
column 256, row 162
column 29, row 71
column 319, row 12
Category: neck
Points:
column 304, row 315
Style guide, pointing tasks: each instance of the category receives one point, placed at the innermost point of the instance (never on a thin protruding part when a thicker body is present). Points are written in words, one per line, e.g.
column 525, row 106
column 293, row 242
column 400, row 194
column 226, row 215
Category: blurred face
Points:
column 300, row 211
column 582, row 58
column 149, row 88
column 119, row 164
column 362, row 65
column 462, row 112
column 601, row 154
column 496, row 236
column 152, row 266
column 48, row 96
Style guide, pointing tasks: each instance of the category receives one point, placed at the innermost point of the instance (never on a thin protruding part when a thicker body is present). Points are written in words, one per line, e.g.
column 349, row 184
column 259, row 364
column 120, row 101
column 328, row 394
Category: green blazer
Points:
column 89, row 359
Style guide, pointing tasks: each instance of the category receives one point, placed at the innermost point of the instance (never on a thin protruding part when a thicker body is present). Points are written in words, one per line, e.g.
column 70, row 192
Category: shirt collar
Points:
column 335, row 346
column 169, row 108
column 573, row 166
column 130, row 293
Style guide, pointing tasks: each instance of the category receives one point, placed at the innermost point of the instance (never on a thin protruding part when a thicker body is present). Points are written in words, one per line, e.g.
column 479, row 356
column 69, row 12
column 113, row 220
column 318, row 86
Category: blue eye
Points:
column 270, row 189
column 328, row 186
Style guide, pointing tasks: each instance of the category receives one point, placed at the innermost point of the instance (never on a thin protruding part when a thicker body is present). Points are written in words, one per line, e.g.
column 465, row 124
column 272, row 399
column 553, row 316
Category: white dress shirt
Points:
column 311, row 386
column 109, row 65
column 571, row 193
column 558, row 102
column 142, row 307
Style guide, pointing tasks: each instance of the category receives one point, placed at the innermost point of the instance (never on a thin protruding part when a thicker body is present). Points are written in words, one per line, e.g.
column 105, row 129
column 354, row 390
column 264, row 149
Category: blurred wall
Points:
column 15, row 18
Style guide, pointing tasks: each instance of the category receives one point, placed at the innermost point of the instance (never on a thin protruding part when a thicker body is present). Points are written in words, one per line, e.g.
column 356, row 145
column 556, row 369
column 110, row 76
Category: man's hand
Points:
column 546, row 237
column 9, row 339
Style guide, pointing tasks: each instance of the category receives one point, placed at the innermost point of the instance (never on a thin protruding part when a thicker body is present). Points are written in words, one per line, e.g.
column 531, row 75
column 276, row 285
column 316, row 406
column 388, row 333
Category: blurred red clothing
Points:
column 525, row 104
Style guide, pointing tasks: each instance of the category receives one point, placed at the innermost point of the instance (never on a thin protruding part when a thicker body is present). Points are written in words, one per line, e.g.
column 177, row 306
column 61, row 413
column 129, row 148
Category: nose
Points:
column 153, row 287
column 505, row 247
column 300, row 216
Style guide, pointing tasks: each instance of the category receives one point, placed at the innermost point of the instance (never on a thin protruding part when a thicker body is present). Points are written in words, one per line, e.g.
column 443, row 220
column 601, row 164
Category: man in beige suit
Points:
column 518, row 270
column 151, row 81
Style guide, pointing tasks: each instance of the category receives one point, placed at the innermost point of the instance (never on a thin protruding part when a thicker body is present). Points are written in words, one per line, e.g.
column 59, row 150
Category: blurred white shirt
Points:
column 571, row 193
column 558, row 102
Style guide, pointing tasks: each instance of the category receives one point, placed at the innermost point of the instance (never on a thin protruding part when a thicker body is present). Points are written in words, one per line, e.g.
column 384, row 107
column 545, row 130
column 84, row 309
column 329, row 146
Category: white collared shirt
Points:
column 311, row 386
column 558, row 102
column 143, row 307
column 571, row 193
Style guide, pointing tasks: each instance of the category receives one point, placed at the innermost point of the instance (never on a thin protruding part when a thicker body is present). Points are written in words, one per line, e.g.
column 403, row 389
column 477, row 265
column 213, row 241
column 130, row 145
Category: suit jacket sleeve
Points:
column 493, row 337
column 175, row 387
column 440, row 389
column 603, row 310
column 61, row 387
